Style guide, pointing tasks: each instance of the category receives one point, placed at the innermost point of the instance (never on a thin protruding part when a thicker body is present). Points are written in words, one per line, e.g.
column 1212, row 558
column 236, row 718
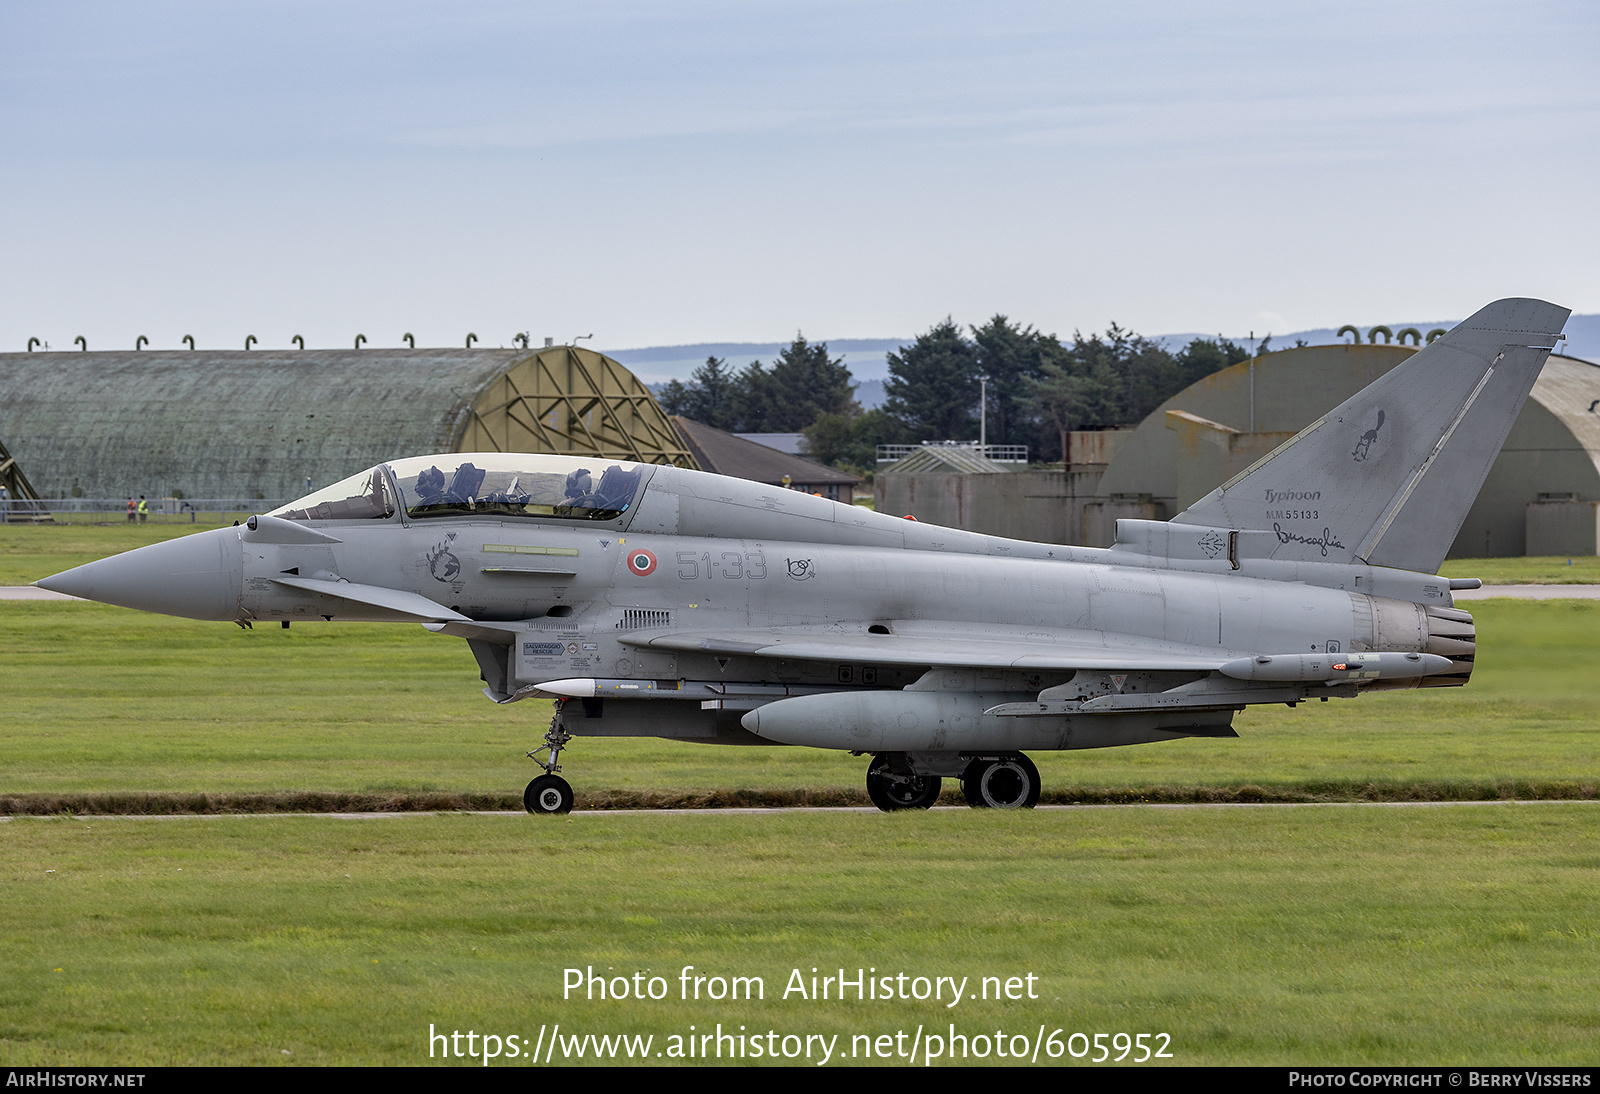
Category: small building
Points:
column 953, row 485
column 945, row 458
column 724, row 453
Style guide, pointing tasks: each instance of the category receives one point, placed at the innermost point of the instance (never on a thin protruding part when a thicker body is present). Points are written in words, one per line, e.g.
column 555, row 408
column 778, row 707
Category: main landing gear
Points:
column 550, row 793
column 1009, row 782
column 892, row 786
column 897, row 780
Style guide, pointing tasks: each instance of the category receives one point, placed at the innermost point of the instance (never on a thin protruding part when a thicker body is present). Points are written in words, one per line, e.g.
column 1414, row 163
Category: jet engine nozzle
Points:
column 197, row 577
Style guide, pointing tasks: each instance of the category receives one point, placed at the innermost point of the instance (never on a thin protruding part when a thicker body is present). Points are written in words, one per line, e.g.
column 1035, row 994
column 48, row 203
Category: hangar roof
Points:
column 947, row 458
column 722, row 453
column 259, row 423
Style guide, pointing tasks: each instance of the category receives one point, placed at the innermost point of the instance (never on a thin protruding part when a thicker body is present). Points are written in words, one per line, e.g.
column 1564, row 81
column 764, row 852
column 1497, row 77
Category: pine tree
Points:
column 933, row 385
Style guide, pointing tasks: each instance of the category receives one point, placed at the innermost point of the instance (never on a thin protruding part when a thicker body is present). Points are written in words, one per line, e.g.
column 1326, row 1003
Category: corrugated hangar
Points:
column 1541, row 497
column 261, row 423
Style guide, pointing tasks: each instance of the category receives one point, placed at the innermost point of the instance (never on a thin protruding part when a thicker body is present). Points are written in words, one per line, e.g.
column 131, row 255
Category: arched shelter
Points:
column 261, row 423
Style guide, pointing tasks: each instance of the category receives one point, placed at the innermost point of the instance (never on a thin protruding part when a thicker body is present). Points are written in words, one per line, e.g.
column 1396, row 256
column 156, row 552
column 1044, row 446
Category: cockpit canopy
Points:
column 478, row 485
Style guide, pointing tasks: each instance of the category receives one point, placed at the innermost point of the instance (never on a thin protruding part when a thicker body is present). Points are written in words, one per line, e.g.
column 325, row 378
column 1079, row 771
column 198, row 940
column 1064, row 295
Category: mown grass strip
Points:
column 1336, row 935
column 179, row 804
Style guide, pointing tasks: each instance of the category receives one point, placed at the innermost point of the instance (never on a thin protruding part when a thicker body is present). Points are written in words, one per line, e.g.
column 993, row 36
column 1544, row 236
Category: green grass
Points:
column 1576, row 570
column 1313, row 935
column 29, row 552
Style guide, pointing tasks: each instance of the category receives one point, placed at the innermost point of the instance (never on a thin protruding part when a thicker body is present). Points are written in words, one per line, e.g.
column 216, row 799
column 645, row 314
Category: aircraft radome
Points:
column 660, row 602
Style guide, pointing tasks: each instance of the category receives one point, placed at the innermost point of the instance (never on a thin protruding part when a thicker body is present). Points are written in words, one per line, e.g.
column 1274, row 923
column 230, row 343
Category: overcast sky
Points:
column 659, row 173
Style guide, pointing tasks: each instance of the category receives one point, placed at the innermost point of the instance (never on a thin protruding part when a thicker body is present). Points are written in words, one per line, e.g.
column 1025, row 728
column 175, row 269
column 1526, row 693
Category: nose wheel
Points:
column 1006, row 782
column 550, row 793
column 892, row 790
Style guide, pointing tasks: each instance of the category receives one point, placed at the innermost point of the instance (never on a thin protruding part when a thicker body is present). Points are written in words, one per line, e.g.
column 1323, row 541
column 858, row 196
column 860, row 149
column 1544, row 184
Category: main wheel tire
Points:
column 1011, row 782
column 891, row 792
column 548, row 794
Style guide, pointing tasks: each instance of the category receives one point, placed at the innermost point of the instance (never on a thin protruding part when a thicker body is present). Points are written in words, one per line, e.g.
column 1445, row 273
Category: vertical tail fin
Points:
column 1387, row 477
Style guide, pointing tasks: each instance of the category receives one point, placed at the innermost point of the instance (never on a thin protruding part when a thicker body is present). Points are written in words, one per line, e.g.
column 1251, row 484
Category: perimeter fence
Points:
column 115, row 510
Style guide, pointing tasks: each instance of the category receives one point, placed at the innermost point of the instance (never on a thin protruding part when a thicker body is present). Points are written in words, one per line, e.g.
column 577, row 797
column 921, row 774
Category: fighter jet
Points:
column 661, row 602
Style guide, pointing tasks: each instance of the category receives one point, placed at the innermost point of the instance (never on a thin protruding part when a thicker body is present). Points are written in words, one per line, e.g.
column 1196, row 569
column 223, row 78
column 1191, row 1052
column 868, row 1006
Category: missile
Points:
column 710, row 693
column 1337, row 667
column 586, row 688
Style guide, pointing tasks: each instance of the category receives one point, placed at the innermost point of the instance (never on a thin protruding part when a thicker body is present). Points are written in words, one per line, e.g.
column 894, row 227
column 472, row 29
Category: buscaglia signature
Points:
column 1324, row 542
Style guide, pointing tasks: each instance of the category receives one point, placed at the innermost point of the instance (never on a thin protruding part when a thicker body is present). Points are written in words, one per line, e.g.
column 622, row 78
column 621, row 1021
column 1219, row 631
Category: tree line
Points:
column 1040, row 388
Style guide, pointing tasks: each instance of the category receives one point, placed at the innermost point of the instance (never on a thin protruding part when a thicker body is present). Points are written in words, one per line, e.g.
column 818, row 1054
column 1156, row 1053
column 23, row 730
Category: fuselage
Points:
column 494, row 572
column 595, row 587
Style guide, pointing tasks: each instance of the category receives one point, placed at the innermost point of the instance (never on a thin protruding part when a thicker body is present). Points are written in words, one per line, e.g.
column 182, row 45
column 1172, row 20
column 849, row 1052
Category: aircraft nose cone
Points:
column 194, row 576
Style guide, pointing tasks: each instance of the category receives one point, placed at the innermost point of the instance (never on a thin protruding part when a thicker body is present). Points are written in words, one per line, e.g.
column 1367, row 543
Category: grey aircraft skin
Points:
column 663, row 602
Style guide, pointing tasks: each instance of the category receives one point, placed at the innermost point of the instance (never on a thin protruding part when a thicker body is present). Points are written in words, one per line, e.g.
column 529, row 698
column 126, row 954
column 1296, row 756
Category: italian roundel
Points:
column 641, row 562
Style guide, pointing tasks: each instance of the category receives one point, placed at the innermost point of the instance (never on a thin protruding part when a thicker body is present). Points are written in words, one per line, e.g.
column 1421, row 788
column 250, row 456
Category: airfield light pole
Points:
column 983, row 416
column 1252, row 381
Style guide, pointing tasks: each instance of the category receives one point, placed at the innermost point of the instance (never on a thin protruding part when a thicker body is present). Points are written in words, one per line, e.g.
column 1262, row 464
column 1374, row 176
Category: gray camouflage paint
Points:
column 723, row 610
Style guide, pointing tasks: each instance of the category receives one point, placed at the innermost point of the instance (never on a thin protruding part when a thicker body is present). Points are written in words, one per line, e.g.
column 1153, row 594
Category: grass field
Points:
column 1314, row 934
column 1577, row 570
column 31, row 551
column 1332, row 934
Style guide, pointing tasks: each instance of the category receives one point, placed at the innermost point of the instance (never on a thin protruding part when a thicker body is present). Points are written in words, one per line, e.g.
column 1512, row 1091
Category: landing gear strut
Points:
column 550, row 793
column 1006, row 782
column 890, row 789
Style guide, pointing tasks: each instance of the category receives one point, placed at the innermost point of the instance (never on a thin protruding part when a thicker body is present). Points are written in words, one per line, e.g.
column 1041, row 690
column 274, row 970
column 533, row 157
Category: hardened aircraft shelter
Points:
column 265, row 423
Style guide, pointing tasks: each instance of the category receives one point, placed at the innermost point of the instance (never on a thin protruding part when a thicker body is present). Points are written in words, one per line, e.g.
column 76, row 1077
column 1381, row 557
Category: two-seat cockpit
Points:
column 491, row 485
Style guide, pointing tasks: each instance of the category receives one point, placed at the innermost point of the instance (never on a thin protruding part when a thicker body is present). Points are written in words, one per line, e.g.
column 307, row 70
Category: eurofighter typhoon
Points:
column 654, row 601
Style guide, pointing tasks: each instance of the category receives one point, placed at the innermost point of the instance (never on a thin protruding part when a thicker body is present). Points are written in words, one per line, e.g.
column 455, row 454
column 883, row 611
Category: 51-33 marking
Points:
column 732, row 565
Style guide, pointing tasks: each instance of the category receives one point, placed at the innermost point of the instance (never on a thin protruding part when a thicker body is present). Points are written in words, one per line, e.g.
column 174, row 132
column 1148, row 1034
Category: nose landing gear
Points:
column 550, row 793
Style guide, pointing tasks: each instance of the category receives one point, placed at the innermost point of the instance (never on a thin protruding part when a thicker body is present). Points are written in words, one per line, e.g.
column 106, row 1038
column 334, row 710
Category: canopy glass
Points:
column 479, row 484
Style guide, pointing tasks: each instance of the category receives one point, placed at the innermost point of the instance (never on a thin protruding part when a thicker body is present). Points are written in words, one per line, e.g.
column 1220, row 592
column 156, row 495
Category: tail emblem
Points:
column 1368, row 439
